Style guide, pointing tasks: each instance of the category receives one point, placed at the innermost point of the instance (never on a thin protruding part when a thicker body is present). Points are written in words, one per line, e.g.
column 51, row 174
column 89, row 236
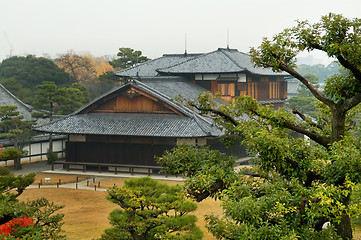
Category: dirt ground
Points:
column 86, row 212
column 55, row 178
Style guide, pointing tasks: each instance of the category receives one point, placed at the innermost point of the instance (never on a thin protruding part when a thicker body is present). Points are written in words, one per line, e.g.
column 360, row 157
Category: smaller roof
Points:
column 25, row 110
column 7, row 98
column 223, row 60
column 149, row 68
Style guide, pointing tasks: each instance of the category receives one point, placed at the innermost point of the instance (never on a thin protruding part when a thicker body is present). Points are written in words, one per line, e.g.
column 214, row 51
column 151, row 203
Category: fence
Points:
column 37, row 151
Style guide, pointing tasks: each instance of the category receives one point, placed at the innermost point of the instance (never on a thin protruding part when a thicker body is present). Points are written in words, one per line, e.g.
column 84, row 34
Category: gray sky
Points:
column 155, row 27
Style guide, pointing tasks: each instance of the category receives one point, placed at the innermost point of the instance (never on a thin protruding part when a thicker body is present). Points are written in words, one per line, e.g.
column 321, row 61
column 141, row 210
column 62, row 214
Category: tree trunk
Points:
column 344, row 228
column 17, row 161
column 338, row 123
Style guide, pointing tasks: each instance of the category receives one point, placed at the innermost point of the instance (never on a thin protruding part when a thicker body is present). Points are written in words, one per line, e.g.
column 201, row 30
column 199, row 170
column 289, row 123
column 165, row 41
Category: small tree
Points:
column 151, row 210
column 12, row 127
column 127, row 58
column 31, row 220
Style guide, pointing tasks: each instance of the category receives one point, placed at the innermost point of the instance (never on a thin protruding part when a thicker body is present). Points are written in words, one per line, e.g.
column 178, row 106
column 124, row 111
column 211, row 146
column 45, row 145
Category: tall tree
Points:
column 295, row 186
column 60, row 100
column 151, row 210
column 71, row 98
column 127, row 57
column 79, row 67
column 83, row 68
column 45, row 96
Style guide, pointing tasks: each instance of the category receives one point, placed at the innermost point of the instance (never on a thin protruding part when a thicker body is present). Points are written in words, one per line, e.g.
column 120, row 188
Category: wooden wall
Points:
column 130, row 100
column 260, row 88
column 138, row 103
column 118, row 149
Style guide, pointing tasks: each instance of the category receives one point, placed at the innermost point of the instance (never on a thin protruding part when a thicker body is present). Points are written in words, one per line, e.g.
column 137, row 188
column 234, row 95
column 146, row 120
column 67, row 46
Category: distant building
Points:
column 226, row 71
column 139, row 119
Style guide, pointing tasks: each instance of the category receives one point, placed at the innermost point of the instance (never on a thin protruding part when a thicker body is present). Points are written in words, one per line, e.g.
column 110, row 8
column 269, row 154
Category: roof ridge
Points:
column 196, row 116
column 135, row 66
column 236, row 63
column 200, row 55
column 98, row 98
column 17, row 99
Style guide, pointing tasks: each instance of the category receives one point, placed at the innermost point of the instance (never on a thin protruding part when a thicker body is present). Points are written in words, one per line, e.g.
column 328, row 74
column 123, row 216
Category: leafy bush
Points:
column 4, row 171
column 52, row 156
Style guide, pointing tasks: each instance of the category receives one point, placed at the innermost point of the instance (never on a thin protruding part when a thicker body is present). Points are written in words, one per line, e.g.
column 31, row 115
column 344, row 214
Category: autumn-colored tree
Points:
column 82, row 67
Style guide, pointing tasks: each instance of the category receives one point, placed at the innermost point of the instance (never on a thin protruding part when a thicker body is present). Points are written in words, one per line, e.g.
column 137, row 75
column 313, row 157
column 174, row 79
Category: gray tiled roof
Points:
column 174, row 86
column 130, row 124
column 219, row 61
column 25, row 110
column 7, row 98
column 139, row 124
column 165, row 92
column 148, row 69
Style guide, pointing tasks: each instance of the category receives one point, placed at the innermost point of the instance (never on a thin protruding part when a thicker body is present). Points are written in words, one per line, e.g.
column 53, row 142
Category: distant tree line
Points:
column 321, row 71
column 72, row 79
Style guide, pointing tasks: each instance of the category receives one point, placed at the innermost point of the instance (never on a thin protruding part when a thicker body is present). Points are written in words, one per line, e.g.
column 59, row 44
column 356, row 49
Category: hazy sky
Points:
column 155, row 27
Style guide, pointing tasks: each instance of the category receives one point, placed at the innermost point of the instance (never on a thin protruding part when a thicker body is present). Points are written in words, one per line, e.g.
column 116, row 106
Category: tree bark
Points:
column 17, row 161
column 344, row 228
column 338, row 123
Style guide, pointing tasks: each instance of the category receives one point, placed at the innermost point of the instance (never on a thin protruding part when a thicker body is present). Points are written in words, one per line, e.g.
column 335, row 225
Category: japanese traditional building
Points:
column 132, row 124
column 139, row 119
column 226, row 71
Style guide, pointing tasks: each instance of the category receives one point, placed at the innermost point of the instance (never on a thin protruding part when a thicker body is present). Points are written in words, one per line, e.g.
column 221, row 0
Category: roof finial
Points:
column 228, row 38
column 185, row 44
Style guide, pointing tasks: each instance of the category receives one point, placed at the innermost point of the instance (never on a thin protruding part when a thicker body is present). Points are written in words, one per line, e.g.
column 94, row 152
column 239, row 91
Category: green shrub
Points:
column 4, row 171
column 52, row 156
column 10, row 154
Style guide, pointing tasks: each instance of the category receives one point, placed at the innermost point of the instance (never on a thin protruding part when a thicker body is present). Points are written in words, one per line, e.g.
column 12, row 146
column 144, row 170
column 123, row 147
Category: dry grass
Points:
column 86, row 212
column 110, row 182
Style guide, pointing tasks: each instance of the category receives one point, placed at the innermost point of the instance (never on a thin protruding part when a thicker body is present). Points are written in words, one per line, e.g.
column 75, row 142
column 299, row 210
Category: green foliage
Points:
column 71, row 98
column 322, row 72
column 304, row 101
column 340, row 87
column 22, row 74
column 10, row 154
column 51, row 156
column 63, row 100
column 47, row 222
column 4, row 171
column 151, row 210
column 207, row 171
column 12, row 127
column 127, row 57
column 293, row 186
